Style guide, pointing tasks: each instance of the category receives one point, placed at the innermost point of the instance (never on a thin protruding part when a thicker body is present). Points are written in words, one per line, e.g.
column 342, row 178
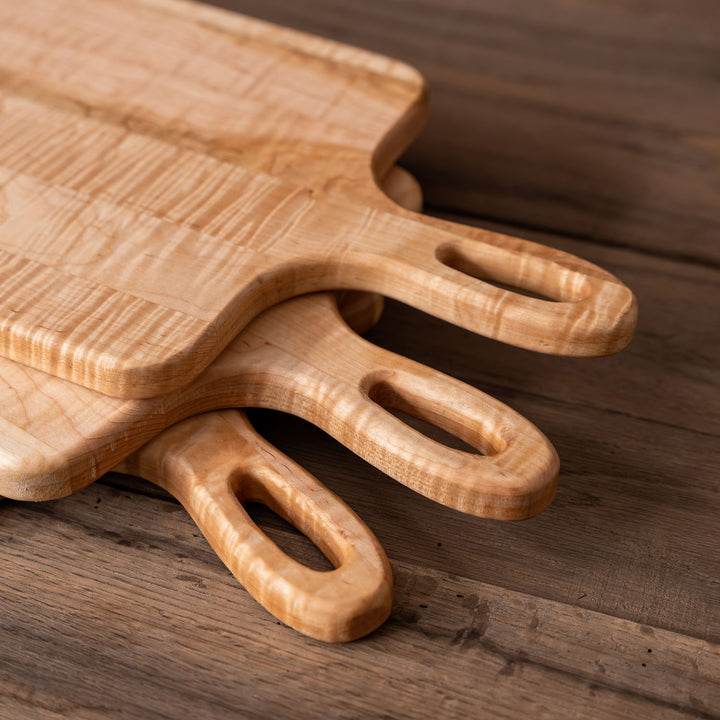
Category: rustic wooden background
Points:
column 591, row 125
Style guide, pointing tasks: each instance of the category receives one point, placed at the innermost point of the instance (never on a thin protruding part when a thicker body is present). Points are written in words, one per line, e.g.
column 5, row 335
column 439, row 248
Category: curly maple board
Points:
column 168, row 171
column 57, row 436
column 215, row 462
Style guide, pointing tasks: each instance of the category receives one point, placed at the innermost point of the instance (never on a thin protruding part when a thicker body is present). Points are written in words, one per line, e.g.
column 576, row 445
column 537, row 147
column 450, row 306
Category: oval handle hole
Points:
column 535, row 278
column 440, row 423
column 434, row 432
column 287, row 537
column 308, row 545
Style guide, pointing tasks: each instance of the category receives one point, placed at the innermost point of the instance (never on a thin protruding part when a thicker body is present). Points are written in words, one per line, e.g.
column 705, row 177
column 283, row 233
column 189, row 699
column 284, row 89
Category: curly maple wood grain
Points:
column 215, row 462
column 212, row 463
column 517, row 481
column 57, row 437
column 168, row 197
column 361, row 310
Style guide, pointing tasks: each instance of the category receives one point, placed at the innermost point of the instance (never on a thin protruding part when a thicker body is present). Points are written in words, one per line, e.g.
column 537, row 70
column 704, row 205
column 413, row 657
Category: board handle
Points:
column 213, row 463
column 506, row 288
column 349, row 387
column 510, row 470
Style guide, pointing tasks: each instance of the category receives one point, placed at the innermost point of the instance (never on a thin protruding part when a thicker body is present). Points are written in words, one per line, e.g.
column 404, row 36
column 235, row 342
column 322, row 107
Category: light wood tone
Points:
column 360, row 310
column 60, row 437
column 403, row 189
column 158, row 252
column 113, row 605
column 212, row 464
column 299, row 357
column 215, row 462
column 633, row 530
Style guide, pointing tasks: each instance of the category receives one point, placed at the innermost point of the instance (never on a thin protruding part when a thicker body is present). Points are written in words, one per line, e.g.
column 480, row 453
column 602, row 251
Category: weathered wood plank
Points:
column 591, row 118
column 131, row 614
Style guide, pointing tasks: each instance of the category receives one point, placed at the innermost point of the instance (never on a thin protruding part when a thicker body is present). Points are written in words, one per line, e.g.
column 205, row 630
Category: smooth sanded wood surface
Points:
column 165, row 178
column 58, row 437
column 215, row 464
column 606, row 605
column 302, row 358
column 590, row 118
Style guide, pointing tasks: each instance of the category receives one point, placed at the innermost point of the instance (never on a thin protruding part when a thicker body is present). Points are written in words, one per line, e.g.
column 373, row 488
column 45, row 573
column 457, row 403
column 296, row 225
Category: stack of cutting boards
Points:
column 171, row 175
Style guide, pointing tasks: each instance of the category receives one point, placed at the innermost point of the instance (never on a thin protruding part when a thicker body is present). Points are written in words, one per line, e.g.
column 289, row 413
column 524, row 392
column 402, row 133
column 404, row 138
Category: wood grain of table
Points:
column 586, row 126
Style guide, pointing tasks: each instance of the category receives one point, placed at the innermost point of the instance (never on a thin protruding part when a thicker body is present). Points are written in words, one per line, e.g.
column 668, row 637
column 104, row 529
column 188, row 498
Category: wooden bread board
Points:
column 214, row 462
column 168, row 171
column 57, row 437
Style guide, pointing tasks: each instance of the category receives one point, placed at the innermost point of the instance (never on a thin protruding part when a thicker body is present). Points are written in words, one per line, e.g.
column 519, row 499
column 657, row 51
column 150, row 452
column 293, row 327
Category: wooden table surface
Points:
column 590, row 126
